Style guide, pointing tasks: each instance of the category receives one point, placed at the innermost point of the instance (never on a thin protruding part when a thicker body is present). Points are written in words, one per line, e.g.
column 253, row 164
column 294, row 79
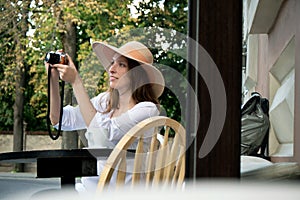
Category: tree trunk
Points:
column 20, row 34
column 70, row 138
column 18, row 116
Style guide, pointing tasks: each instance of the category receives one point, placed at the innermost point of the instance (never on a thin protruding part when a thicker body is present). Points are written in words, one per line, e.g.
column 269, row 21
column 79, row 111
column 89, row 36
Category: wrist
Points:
column 77, row 81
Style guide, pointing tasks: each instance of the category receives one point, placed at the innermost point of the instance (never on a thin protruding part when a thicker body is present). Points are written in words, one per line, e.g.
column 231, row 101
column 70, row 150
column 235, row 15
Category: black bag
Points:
column 255, row 126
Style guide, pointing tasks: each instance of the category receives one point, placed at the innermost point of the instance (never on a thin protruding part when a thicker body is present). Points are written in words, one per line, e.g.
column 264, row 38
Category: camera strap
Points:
column 54, row 137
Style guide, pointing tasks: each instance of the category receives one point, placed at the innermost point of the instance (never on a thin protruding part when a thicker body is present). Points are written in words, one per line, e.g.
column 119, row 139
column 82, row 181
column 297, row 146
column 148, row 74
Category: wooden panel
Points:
column 220, row 33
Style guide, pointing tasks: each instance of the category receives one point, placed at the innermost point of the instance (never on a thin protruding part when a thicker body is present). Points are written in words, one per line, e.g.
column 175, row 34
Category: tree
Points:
column 68, row 38
column 19, row 27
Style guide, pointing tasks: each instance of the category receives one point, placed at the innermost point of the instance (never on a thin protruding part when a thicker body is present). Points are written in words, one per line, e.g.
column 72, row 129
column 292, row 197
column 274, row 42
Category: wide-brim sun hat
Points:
column 135, row 51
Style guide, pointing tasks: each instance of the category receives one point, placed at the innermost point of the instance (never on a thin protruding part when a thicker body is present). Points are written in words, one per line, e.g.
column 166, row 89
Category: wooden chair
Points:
column 154, row 163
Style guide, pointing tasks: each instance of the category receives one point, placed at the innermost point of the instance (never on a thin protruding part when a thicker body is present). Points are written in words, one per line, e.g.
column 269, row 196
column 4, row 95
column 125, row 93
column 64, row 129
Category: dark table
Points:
column 65, row 164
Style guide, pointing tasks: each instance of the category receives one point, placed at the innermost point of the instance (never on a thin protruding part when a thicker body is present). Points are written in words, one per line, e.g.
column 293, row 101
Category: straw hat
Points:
column 135, row 51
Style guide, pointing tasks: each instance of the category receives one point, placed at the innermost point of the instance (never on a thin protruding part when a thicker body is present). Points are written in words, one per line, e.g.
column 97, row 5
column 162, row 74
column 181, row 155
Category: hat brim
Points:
column 105, row 53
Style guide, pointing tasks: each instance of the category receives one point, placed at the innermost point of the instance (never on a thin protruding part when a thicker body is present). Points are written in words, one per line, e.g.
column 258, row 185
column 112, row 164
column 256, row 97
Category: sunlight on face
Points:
column 117, row 78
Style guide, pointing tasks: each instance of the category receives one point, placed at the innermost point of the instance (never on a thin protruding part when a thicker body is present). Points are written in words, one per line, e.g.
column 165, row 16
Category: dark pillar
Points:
column 217, row 27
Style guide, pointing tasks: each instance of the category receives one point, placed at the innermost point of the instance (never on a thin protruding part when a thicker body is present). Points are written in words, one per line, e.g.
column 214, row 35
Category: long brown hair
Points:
column 142, row 89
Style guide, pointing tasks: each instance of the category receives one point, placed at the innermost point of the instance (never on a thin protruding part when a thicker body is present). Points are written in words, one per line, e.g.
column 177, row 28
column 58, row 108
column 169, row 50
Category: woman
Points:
column 134, row 88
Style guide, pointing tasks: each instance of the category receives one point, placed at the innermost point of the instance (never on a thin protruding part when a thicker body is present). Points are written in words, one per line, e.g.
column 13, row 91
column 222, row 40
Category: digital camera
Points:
column 56, row 58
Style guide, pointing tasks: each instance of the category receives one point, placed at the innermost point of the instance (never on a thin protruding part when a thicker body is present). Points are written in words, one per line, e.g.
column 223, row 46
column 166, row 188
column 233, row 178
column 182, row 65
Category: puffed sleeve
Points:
column 122, row 124
column 72, row 118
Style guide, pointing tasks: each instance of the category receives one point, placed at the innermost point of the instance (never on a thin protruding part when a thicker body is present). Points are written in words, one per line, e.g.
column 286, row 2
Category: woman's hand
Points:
column 54, row 72
column 67, row 72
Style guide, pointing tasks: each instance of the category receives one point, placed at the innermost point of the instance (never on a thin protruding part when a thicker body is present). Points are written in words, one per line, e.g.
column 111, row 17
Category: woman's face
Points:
column 118, row 68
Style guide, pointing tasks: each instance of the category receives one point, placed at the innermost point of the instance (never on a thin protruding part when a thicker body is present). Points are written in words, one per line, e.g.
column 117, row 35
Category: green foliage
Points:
column 171, row 15
column 94, row 20
column 13, row 27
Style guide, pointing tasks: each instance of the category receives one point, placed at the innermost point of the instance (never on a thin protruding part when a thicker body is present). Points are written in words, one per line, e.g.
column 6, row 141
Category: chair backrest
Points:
column 154, row 162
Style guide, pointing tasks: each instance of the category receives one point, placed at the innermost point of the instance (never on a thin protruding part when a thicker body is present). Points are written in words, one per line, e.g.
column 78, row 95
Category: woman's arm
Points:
column 70, row 74
column 87, row 109
column 54, row 95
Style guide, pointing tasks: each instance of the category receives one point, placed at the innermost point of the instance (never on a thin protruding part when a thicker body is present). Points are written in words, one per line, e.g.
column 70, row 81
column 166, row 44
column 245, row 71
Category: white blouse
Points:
column 113, row 128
